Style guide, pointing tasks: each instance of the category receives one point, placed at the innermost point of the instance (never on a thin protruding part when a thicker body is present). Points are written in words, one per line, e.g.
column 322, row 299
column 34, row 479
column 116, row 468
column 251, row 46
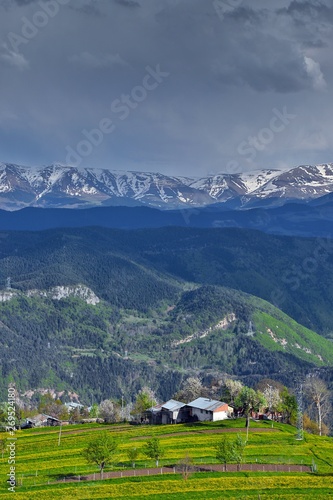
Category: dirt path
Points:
column 202, row 468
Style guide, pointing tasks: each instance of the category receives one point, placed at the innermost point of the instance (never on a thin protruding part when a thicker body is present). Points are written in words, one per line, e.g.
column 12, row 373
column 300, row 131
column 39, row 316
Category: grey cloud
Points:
column 128, row 3
column 12, row 59
column 24, row 2
column 310, row 14
column 97, row 60
column 226, row 76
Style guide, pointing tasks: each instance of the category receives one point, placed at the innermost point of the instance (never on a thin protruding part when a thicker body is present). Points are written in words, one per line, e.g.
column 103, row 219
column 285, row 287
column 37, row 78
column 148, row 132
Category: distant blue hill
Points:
column 314, row 218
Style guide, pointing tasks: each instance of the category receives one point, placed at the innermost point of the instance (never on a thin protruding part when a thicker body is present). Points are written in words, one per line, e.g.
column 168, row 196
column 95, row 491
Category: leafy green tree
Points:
column 46, row 402
column 75, row 416
column 249, row 400
column 144, row 400
column 101, row 451
column 225, row 451
column 133, row 454
column 238, row 450
column 288, row 407
column 153, row 450
column 94, row 411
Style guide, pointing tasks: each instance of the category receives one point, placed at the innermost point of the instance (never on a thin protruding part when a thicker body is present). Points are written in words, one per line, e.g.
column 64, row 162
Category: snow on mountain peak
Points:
column 59, row 185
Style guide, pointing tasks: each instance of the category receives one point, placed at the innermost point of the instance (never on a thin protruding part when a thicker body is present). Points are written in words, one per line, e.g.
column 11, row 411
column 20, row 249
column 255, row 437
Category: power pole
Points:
column 250, row 332
column 300, row 433
column 59, row 438
column 270, row 401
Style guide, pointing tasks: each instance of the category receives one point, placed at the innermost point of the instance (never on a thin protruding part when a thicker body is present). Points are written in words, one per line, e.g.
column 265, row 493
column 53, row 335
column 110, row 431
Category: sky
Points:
column 181, row 87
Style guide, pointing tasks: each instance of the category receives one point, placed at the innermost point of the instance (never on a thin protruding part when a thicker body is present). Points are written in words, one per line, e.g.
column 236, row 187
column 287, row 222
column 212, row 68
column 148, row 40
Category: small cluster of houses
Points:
column 199, row 410
column 43, row 420
column 171, row 412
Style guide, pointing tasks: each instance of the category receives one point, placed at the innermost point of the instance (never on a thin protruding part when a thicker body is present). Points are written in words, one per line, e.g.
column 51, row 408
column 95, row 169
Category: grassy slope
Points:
column 37, row 450
column 276, row 331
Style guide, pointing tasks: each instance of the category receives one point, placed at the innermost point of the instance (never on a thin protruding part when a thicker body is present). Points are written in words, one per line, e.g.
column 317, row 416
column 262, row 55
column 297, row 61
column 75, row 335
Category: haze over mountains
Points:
column 57, row 186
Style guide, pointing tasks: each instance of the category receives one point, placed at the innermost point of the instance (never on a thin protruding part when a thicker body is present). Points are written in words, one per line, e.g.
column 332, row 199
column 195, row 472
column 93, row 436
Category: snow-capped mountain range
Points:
column 65, row 186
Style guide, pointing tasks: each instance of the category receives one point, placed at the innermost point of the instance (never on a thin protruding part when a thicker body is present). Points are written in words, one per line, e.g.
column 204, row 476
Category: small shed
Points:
column 171, row 412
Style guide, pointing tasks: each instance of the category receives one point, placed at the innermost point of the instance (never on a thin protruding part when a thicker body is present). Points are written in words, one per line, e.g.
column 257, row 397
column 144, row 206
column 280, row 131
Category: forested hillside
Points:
column 53, row 339
column 137, row 269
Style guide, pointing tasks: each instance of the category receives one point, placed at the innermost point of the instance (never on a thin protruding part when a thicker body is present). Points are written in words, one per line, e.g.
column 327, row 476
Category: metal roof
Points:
column 173, row 405
column 206, row 404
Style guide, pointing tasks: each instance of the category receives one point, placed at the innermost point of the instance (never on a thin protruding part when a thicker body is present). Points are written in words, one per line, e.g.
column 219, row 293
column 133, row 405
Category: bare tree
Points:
column 192, row 388
column 110, row 411
column 318, row 393
column 231, row 389
column 186, row 466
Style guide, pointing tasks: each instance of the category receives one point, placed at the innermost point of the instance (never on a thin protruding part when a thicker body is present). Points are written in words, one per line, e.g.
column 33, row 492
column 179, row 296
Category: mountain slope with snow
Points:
column 64, row 186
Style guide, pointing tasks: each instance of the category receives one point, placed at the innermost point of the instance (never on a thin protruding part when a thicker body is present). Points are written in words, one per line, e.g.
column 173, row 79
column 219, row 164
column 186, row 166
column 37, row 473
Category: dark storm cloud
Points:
column 226, row 75
column 308, row 9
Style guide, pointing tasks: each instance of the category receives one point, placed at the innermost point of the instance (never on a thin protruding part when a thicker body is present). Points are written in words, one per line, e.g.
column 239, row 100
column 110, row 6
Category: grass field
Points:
column 39, row 461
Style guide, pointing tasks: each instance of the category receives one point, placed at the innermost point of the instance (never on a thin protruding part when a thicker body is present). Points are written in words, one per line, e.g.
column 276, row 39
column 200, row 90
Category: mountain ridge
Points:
column 65, row 186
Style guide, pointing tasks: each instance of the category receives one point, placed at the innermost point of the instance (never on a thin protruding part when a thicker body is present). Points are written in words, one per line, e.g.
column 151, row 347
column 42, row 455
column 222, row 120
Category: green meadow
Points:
column 42, row 464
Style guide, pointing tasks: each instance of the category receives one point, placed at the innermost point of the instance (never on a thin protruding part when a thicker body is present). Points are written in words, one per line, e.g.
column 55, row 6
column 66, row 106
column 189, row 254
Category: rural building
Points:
column 172, row 412
column 166, row 413
column 176, row 412
column 203, row 409
column 73, row 406
column 42, row 420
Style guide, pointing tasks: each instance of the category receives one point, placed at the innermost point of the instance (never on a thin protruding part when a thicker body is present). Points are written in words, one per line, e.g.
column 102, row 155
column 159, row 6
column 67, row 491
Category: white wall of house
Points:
column 203, row 415
column 219, row 415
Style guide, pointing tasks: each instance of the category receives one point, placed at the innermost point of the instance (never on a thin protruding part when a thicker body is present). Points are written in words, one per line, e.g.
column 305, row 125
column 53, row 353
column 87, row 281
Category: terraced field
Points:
column 43, row 465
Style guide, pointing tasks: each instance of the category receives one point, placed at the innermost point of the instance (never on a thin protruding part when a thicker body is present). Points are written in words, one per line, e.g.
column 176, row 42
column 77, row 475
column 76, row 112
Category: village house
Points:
column 175, row 412
column 205, row 409
column 166, row 413
column 42, row 420
column 171, row 412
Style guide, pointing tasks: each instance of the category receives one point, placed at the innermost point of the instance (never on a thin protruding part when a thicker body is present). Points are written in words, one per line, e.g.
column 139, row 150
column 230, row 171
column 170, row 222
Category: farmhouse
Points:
column 170, row 412
column 203, row 409
column 42, row 420
column 175, row 412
